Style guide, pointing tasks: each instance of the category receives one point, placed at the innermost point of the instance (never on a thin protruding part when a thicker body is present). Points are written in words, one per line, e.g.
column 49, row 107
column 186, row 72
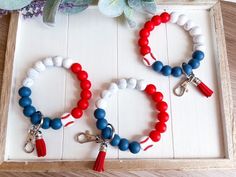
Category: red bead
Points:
column 83, row 104
column 157, row 96
column 85, row 84
column 143, row 42
column 163, row 116
column 160, row 127
column 165, row 17
column 145, row 50
column 144, row 33
column 161, row 106
column 155, row 135
column 156, row 20
column 149, row 25
column 86, row 94
column 82, row 75
column 77, row 113
column 76, row 67
column 150, row 89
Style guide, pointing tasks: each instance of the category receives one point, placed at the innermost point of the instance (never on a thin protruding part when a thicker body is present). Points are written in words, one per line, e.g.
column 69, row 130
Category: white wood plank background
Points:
column 107, row 49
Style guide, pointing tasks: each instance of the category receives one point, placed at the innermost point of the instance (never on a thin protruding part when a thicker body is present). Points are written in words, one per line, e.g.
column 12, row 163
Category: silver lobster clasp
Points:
column 29, row 144
column 85, row 137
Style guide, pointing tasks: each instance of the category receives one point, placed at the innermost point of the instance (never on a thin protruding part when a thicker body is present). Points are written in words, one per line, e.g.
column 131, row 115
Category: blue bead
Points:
column 157, row 66
column 176, row 71
column 56, row 123
column 115, row 141
column 124, row 144
column 166, row 70
column 187, row 68
column 194, row 63
column 101, row 124
column 25, row 101
column 24, row 91
column 99, row 113
column 46, row 123
column 199, row 55
column 35, row 118
column 29, row 110
column 134, row 147
column 107, row 133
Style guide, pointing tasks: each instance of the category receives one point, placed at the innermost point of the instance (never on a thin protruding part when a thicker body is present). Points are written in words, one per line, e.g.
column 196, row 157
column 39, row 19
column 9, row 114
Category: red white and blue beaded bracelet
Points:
column 177, row 71
column 37, row 119
column 107, row 130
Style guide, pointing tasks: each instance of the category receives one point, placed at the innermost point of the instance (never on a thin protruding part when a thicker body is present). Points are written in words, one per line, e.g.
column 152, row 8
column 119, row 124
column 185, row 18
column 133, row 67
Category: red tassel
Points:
column 40, row 145
column 204, row 89
column 99, row 163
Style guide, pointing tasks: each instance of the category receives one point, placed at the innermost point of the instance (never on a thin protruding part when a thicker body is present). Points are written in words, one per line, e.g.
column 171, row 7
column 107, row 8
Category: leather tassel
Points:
column 40, row 145
column 204, row 89
column 99, row 163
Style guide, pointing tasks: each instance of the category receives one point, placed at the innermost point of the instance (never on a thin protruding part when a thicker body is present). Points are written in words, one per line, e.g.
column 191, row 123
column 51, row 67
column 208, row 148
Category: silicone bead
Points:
column 165, row 17
column 163, row 116
column 99, row 113
column 176, row 71
column 199, row 55
column 107, row 133
column 194, row 63
column 141, row 85
column 122, row 84
column 32, row 73
column 187, row 68
column 160, row 127
column 157, row 96
column 29, row 110
column 143, row 41
column 116, row 140
column 82, row 75
column 39, row 66
column 156, row 20
column 57, row 61
column 182, row 20
column 35, row 118
column 101, row 103
column 28, row 82
column 25, row 101
column 83, row 104
column 77, row 113
column 24, row 92
column 85, row 84
column 174, row 16
column 161, row 106
column 145, row 50
column 199, row 47
column 86, row 94
column 101, row 124
column 106, row 94
column 144, row 33
column 157, row 66
column 150, row 89
column 56, row 123
column 149, row 25
column 199, row 39
column 124, row 144
column 155, row 135
column 75, row 68
column 189, row 25
column 134, row 147
column 166, row 70
column 67, row 63
column 113, row 88
column 48, row 62
column 131, row 83
column 46, row 123
column 195, row 31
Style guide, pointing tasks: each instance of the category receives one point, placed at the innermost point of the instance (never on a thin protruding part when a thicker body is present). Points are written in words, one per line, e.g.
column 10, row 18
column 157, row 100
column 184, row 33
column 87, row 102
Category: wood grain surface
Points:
column 229, row 11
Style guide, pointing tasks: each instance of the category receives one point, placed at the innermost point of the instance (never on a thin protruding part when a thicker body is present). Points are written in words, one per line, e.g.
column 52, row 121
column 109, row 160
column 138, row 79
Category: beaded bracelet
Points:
column 38, row 121
column 177, row 71
column 107, row 130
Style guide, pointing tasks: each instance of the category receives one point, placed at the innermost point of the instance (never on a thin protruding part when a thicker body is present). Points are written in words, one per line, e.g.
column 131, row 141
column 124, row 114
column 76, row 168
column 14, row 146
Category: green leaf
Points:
column 112, row 8
column 129, row 15
column 149, row 6
column 74, row 6
column 14, row 4
column 50, row 10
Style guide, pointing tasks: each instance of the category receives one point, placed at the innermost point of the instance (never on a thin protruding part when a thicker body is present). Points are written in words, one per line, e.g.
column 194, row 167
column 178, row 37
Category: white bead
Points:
column 122, row 83
column 199, row 47
column 113, row 88
column 189, row 25
column 32, row 73
column 141, row 85
column 48, row 62
column 195, row 31
column 174, row 16
column 57, row 61
column 106, row 94
column 146, row 143
column 182, row 20
column 101, row 103
column 149, row 59
column 67, row 120
column 28, row 82
column 131, row 83
column 199, row 39
column 39, row 66
column 67, row 63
